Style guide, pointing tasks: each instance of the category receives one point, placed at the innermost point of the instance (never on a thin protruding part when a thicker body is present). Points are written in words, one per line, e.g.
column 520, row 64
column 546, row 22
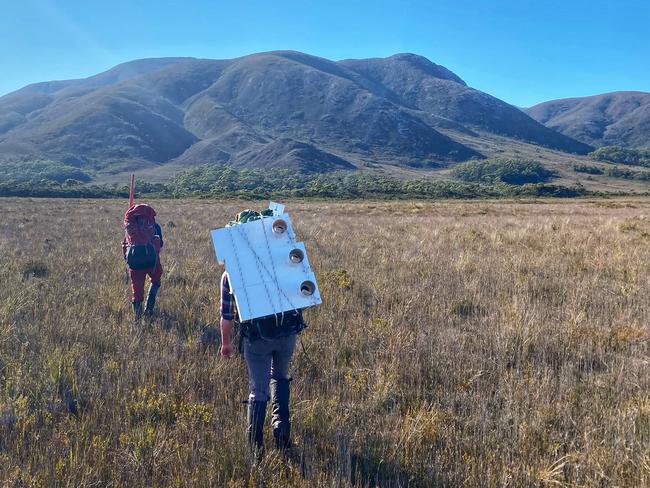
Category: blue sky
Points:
column 523, row 51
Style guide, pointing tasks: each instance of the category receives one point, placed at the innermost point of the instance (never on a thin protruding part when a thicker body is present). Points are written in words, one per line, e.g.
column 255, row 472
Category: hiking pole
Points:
column 131, row 191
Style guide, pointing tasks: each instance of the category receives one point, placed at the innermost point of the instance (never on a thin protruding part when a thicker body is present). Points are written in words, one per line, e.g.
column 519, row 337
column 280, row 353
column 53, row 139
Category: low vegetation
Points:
column 627, row 174
column 458, row 344
column 622, row 155
column 38, row 172
column 588, row 169
column 510, row 171
column 613, row 172
column 217, row 181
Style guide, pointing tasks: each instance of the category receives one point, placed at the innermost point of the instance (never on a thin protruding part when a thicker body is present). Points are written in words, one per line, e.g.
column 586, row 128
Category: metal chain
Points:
column 258, row 263
column 232, row 242
column 275, row 275
column 261, row 266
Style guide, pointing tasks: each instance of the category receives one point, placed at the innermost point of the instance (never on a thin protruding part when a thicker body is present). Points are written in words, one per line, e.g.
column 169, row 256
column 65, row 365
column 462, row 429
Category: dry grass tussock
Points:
column 476, row 344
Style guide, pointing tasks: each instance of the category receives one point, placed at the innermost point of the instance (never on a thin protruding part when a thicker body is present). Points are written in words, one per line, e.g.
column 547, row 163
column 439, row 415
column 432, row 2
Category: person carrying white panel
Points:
column 267, row 283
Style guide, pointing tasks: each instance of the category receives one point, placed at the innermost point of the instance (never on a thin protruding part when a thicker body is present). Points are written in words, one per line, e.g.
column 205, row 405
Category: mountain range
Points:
column 275, row 109
column 610, row 119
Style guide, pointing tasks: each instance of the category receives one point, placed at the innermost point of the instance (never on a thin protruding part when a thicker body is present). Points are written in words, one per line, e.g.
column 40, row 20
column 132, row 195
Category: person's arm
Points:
column 226, row 337
column 159, row 234
column 227, row 316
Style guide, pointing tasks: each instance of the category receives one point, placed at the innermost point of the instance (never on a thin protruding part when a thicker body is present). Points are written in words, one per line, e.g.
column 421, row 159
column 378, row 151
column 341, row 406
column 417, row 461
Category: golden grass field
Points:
column 458, row 344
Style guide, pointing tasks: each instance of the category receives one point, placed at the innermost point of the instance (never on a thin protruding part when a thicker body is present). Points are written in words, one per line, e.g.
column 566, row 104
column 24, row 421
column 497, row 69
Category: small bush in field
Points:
column 36, row 269
column 464, row 308
column 339, row 279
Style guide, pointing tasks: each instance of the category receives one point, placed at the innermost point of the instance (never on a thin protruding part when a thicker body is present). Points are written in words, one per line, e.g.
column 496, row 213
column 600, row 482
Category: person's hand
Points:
column 226, row 338
column 226, row 350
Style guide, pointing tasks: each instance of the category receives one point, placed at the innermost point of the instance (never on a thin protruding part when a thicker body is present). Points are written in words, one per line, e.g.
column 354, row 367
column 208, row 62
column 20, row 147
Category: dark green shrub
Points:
column 627, row 174
column 36, row 269
column 587, row 168
column 212, row 181
column 37, row 172
column 510, row 171
column 622, row 155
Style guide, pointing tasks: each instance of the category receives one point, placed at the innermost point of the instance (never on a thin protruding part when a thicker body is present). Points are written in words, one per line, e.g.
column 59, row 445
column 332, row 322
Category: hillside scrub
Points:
column 622, row 155
column 510, row 171
column 588, row 169
column 218, row 181
column 36, row 172
column 612, row 172
column 627, row 174
column 458, row 344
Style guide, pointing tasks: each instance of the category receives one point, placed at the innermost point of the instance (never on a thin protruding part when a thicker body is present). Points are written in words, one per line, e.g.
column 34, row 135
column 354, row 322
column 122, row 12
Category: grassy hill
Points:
column 610, row 119
column 277, row 109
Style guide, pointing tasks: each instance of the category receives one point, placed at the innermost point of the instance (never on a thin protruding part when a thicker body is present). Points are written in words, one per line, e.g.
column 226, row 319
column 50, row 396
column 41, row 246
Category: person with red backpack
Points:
column 141, row 248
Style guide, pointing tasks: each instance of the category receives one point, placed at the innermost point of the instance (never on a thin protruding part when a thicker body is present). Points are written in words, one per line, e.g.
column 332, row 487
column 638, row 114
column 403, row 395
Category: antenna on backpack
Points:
column 131, row 191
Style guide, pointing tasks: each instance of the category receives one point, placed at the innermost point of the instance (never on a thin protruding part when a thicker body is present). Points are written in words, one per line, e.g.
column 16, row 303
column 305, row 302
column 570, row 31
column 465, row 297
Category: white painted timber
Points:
column 278, row 208
column 262, row 277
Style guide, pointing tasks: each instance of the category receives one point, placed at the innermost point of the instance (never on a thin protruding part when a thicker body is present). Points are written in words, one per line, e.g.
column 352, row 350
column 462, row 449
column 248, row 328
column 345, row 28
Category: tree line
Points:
column 478, row 179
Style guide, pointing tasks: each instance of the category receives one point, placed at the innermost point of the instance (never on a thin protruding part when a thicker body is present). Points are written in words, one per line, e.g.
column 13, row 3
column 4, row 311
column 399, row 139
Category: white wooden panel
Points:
column 262, row 277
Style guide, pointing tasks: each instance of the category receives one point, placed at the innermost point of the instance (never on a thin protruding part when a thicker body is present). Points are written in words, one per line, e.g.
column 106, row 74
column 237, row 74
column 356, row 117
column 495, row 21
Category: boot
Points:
column 137, row 310
column 151, row 299
column 255, row 431
column 280, row 413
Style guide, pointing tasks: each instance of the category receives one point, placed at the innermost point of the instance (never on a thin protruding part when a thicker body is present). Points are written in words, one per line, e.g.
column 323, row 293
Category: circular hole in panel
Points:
column 296, row 256
column 307, row 288
column 279, row 226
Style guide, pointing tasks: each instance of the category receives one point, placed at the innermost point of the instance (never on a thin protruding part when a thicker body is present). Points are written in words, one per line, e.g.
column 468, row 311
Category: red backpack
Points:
column 140, row 251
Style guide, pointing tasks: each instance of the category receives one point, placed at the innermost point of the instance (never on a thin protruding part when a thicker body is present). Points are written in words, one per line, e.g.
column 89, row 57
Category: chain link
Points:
column 248, row 302
column 275, row 276
column 261, row 267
